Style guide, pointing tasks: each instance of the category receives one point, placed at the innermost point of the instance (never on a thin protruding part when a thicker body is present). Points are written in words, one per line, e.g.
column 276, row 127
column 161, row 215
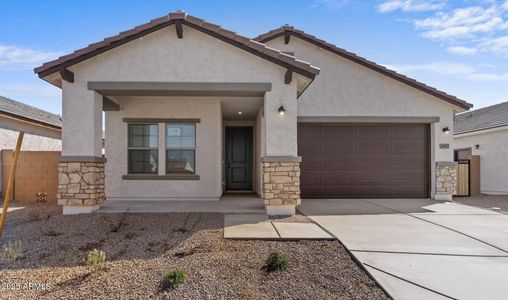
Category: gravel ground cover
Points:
column 486, row 201
column 140, row 248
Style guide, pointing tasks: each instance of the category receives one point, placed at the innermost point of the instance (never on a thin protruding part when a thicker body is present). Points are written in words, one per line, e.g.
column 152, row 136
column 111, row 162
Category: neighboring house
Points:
column 193, row 110
column 484, row 132
column 43, row 130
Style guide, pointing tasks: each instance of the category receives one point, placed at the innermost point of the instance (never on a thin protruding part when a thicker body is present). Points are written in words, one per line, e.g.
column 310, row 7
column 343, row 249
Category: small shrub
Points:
column 150, row 247
column 96, row 259
column 52, row 232
column 130, row 235
column 34, row 215
column 276, row 261
column 12, row 251
column 175, row 277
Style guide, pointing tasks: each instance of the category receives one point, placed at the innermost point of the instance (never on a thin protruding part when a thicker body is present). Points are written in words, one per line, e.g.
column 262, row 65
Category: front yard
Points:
column 140, row 248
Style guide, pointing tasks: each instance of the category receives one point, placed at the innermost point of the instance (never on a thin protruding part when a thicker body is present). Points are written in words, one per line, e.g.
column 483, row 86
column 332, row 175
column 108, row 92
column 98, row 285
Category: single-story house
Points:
column 43, row 130
column 484, row 132
column 193, row 110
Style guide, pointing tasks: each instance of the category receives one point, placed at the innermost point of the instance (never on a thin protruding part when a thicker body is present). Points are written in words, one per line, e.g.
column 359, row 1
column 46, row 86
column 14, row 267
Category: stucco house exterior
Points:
column 193, row 110
column 43, row 130
column 484, row 132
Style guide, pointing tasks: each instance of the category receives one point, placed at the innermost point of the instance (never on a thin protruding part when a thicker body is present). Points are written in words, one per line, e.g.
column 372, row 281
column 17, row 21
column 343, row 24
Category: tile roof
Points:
column 290, row 30
column 259, row 49
column 27, row 112
column 480, row 119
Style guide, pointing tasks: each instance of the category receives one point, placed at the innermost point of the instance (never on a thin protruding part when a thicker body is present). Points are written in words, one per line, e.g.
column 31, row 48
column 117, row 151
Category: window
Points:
column 180, row 148
column 143, row 148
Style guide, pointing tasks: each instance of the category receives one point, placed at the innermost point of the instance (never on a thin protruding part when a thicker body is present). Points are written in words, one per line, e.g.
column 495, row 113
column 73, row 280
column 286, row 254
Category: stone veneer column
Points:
column 446, row 180
column 80, row 186
column 281, row 185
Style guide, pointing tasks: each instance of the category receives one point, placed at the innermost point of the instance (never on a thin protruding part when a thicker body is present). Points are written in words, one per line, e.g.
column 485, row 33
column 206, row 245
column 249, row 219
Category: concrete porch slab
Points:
column 308, row 231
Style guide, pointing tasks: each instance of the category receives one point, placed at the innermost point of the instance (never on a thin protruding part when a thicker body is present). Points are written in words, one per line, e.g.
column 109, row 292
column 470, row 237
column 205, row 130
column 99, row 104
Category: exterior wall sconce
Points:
column 477, row 146
column 281, row 110
column 446, row 130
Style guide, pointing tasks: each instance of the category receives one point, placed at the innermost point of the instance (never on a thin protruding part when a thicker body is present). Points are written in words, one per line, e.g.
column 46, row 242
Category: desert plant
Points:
column 11, row 251
column 34, row 215
column 96, row 259
column 52, row 232
column 175, row 277
column 276, row 261
column 130, row 235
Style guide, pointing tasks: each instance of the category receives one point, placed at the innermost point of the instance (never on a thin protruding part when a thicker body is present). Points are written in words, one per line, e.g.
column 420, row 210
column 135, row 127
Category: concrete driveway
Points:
column 421, row 248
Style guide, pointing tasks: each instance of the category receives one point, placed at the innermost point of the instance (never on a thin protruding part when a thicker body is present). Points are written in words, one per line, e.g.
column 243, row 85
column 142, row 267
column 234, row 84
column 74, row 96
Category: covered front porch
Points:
column 175, row 147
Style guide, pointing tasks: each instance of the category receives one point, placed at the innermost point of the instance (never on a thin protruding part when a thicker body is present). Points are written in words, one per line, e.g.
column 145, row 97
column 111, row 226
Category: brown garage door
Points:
column 369, row 161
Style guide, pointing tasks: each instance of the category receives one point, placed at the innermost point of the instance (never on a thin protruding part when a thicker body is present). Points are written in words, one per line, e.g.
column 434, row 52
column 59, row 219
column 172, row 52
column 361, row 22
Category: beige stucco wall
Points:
column 345, row 88
column 493, row 152
column 162, row 57
column 36, row 138
column 208, row 150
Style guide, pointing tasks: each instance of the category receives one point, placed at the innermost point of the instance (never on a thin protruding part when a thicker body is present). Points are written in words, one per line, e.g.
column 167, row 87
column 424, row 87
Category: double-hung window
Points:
column 143, row 148
column 180, row 148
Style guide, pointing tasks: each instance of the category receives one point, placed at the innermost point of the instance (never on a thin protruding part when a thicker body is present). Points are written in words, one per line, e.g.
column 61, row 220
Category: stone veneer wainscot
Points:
column 80, row 183
column 281, row 183
column 446, row 179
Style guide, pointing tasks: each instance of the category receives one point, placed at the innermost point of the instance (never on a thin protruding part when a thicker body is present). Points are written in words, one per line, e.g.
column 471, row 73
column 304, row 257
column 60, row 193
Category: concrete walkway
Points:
column 421, row 248
column 249, row 227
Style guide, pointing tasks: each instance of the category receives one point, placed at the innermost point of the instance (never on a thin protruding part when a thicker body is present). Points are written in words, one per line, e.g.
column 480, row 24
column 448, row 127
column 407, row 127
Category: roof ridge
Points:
column 482, row 109
column 283, row 30
column 303, row 67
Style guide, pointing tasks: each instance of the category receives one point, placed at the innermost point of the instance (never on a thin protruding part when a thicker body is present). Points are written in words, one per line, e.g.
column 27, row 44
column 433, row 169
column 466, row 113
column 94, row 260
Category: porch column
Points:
column 446, row 180
column 281, row 166
column 81, row 166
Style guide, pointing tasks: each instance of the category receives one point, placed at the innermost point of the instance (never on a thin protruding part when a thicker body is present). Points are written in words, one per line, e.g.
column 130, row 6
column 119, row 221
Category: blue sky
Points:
column 460, row 47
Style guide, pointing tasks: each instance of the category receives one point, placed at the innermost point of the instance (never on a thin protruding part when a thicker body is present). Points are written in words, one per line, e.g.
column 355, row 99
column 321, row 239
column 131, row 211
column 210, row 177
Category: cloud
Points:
column 15, row 57
column 27, row 91
column 411, row 5
column 452, row 69
column 462, row 23
column 497, row 45
column 460, row 50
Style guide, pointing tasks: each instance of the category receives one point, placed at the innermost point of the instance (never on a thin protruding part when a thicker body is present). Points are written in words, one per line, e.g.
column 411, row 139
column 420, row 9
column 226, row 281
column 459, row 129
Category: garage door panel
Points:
column 337, row 132
column 403, row 145
column 337, row 146
column 337, row 177
column 310, row 177
column 410, row 130
column 376, row 160
column 344, row 162
column 339, row 192
column 373, row 130
column 365, row 178
column 311, row 162
column 374, row 145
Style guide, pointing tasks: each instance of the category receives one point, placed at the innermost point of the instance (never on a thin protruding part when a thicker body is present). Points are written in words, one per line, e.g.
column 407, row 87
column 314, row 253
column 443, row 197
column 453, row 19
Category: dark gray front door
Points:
column 239, row 158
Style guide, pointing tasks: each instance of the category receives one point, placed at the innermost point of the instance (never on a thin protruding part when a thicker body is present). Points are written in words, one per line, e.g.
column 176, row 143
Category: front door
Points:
column 239, row 158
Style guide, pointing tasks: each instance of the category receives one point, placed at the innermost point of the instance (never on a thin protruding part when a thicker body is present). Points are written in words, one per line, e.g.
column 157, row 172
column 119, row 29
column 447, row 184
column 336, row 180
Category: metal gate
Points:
column 463, row 178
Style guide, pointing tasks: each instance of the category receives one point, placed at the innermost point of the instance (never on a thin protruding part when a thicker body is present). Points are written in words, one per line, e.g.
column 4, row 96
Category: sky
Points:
column 460, row 47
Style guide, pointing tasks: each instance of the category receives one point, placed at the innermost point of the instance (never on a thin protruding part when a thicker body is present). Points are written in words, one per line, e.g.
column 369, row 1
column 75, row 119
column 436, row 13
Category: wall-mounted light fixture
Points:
column 477, row 146
column 446, row 130
column 282, row 110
